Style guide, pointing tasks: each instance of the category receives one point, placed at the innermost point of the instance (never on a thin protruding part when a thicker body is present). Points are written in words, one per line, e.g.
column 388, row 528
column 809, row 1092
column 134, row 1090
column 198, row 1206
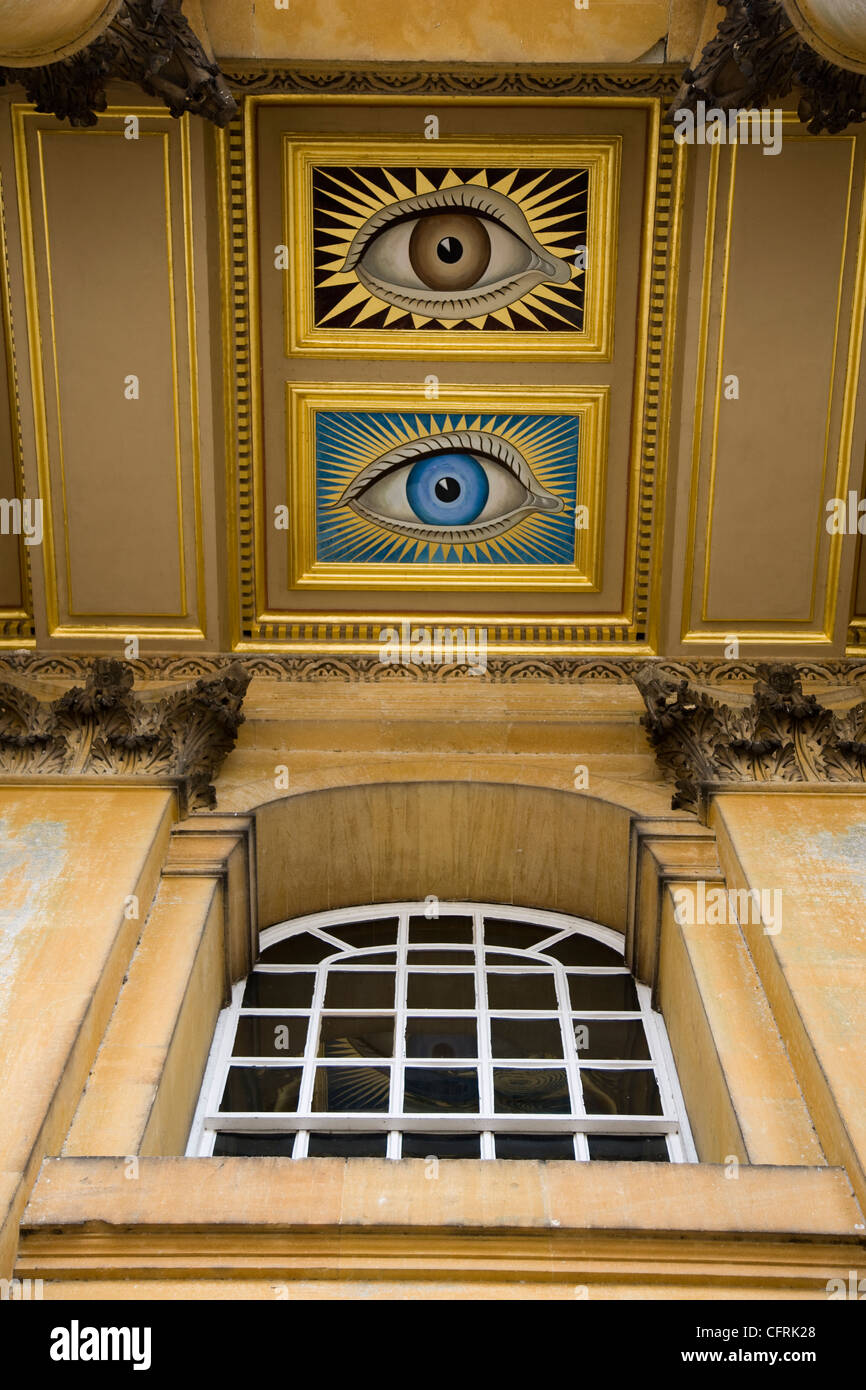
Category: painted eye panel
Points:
column 452, row 253
column 461, row 487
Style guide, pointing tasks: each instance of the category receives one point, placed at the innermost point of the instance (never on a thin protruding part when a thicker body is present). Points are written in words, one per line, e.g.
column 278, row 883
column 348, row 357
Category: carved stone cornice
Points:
column 150, row 43
column 41, row 671
column 104, row 729
column 781, row 736
column 757, row 55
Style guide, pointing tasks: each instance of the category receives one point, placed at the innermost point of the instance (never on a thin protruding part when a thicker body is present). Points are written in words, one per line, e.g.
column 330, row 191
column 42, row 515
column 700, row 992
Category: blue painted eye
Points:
column 460, row 487
column 447, row 489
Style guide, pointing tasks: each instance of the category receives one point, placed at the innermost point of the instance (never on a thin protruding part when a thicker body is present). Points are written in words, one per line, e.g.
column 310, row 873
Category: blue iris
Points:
column 449, row 488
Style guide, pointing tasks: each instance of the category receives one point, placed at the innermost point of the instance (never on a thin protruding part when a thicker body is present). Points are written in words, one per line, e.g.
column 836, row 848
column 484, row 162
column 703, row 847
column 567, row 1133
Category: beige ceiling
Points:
column 131, row 258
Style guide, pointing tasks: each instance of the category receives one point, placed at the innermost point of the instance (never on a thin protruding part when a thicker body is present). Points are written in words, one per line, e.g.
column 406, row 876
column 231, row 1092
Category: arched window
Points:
column 459, row 1030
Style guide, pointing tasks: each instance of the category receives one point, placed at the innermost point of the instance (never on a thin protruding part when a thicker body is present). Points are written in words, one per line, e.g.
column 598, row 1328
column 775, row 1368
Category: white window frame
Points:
column 672, row 1124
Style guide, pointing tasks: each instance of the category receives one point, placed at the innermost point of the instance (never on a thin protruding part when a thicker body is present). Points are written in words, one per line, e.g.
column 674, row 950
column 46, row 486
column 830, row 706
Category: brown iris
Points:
column 449, row 250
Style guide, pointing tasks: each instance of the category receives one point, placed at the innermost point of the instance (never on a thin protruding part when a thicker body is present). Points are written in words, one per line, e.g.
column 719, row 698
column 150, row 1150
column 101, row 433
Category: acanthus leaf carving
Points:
column 782, row 736
column 104, row 728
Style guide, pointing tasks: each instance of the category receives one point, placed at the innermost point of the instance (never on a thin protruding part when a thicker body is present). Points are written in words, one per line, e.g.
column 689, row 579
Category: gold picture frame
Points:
column 538, row 422
column 486, row 165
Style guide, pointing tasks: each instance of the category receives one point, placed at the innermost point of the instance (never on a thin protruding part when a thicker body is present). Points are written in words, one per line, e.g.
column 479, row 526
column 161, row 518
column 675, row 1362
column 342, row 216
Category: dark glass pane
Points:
column 343, row 1036
column 371, row 958
column 270, row 1037
column 360, row 989
column 534, row 1146
column 520, row 991
column 445, row 927
column 530, row 1092
column 429, row 1088
column 441, row 1146
column 289, row 990
column 254, row 1145
column 262, row 1088
column 518, row 935
column 602, row 992
column 525, row 1037
column 441, row 1037
column 441, row 991
column 611, row 1037
column 632, row 1147
column 620, row 1092
column 497, row 957
column 303, row 949
column 429, row 957
column 583, row 950
column 382, row 932
column 347, row 1145
column 351, row 1088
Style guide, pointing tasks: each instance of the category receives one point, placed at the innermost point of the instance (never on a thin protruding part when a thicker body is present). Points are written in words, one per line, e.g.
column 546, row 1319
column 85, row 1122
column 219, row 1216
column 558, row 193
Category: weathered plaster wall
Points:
column 70, row 858
column 812, row 847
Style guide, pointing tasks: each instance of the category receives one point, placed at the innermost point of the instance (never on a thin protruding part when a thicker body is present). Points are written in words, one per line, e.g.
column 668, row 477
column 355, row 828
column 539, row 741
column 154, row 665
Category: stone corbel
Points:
column 103, row 729
column 760, row 54
column 781, row 737
column 148, row 42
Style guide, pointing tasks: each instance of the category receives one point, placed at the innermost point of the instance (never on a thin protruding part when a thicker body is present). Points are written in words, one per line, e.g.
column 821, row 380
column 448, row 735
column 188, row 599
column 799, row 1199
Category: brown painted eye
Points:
column 450, row 250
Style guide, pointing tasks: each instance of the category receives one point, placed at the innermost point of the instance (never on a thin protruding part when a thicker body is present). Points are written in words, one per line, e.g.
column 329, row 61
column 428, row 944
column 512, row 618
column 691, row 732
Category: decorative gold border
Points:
column 16, row 624
column 782, row 630
column 600, row 155
column 590, row 403
column 634, row 629
column 117, row 625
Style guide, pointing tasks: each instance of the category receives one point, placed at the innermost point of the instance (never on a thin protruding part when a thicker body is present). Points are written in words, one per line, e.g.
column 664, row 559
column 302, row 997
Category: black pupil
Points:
column 447, row 489
column 449, row 249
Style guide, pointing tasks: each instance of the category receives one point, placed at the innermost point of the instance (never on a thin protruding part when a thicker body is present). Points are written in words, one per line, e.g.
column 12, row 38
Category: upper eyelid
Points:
column 443, row 443
column 473, row 196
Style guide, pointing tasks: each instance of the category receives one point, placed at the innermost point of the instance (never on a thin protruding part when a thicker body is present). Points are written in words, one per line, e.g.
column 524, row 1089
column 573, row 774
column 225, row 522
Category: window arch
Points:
column 459, row 1030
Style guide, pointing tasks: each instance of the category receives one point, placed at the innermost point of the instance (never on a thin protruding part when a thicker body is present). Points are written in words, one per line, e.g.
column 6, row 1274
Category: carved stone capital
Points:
column 781, row 736
column 104, row 729
column 757, row 55
column 150, row 43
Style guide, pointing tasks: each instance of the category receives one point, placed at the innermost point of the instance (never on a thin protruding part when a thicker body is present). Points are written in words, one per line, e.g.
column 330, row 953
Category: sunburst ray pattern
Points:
column 347, row 441
column 554, row 202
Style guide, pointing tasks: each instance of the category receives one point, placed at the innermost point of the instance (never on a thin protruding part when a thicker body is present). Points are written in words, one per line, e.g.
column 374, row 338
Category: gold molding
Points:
column 96, row 626
column 632, row 628
column 589, row 403
column 784, row 631
column 600, row 155
column 16, row 624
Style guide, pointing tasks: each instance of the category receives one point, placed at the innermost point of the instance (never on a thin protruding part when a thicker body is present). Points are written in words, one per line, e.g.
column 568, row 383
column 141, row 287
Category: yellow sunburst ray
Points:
column 545, row 308
column 336, row 248
column 399, row 188
column 374, row 306
column 480, row 178
column 339, row 277
column 552, row 294
column 478, row 321
column 503, row 185
column 503, row 316
column 527, row 188
column 348, row 219
column 393, row 315
column 384, row 200
column 548, row 193
column 423, row 184
column 364, row 199
column 418, row 320
column 540, row 224
column 357, row 295
column 451, row 180
column 520, row 308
